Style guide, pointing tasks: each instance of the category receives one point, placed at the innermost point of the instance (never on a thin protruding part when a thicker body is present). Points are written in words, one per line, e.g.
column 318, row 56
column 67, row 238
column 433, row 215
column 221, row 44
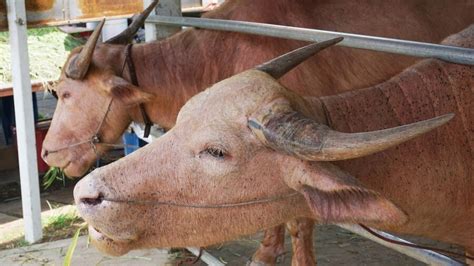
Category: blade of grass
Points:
column 72, row 247
column 52, row 175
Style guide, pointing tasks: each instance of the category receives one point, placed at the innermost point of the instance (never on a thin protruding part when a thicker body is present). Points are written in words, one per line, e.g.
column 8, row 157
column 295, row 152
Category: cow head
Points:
column 245, row 154
column 94, row 102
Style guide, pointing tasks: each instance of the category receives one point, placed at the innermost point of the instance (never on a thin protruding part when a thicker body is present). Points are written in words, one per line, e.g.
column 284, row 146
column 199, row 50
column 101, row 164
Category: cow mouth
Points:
column 73, row 170
column 90, row 209
column 98, row 235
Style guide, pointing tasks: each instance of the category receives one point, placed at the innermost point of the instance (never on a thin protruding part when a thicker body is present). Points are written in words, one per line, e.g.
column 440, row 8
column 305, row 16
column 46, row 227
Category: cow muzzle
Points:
column 112, row 226
column 73, row 162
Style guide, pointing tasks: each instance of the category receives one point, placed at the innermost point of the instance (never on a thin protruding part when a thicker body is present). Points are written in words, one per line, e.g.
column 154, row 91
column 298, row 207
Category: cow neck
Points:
column 405, row 98
column 134, row 80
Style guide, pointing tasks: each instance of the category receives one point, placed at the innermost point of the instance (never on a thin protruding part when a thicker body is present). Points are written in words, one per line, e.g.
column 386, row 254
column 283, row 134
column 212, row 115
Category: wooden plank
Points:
column 25, row 125
column 7, row 89
column 59, row 12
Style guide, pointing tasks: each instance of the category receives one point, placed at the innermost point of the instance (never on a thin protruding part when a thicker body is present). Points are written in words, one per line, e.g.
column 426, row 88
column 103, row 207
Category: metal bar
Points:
column 426, row 256
column 25, row 124
column 396, row 46
column 206, row 257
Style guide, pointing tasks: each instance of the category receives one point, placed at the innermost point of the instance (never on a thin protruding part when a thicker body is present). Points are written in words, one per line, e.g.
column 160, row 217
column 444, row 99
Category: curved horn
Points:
column 279, row 66
column 126, row 36
column 294, row 134
column 79, row 64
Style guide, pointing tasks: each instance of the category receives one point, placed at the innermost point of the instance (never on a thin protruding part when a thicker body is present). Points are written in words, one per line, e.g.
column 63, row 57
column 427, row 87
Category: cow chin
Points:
column 108, row 245
column 76, row 170
column 79, row 163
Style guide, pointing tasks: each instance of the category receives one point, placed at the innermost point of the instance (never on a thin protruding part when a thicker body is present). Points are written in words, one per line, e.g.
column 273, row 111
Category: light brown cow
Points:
column 173, row 70
column 248, row 153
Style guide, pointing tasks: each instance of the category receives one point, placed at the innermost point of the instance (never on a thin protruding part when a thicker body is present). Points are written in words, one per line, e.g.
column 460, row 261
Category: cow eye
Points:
column 66, row 95
column 215, row 152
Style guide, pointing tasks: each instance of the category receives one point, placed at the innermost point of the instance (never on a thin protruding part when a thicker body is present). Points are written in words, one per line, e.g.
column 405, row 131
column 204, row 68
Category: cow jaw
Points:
column 108, row 245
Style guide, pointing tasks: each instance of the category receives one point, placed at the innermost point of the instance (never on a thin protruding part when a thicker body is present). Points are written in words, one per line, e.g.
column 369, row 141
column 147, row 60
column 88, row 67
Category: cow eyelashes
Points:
column 215, row 152
column 55, row 95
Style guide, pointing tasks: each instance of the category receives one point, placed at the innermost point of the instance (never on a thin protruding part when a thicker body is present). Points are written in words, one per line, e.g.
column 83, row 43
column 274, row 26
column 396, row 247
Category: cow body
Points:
column 192, row 60
column 175, row 69
column 422, row 187
column 430, row 177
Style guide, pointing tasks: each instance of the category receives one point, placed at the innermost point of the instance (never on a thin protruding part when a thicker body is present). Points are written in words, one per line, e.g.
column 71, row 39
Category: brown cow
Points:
column 258, row 153
column 171, row 71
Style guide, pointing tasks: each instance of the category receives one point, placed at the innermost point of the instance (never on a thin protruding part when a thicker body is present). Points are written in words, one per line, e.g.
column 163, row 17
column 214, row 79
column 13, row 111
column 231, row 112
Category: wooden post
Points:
column 164, row 8
column 25, row 124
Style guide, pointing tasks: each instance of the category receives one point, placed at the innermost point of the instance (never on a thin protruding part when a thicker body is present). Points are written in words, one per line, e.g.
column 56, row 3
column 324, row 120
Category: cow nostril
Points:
column 44, row 153
column 93, row 201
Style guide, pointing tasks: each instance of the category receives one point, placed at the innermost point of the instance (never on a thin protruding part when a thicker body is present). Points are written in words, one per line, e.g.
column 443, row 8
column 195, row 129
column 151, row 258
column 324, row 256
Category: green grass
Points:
column 48, row 49
column 61, row 221
column 60, row 225
column 23, row 243
column 53, row 174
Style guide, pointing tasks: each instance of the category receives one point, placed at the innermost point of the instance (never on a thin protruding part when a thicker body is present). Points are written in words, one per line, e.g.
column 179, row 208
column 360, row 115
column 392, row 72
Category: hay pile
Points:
column 48, row 49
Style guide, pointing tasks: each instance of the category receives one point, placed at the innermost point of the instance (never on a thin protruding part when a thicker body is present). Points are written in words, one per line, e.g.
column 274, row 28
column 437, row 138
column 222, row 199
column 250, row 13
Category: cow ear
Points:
column 334, row 196
column 126, row 92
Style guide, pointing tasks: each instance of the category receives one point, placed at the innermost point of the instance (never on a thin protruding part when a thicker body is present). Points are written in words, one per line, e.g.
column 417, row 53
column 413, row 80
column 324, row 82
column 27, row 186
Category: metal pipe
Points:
column 419, row 49
column 426, row 256
column 206, row 257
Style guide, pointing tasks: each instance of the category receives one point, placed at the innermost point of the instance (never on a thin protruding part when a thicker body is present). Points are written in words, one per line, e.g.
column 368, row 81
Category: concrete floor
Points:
column 53, row 253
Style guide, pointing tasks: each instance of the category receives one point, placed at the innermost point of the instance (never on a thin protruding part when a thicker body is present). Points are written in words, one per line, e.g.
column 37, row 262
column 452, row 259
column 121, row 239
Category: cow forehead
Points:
column 233, row 98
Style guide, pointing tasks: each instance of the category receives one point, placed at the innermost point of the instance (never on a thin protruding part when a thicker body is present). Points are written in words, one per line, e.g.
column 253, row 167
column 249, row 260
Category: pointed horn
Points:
column 294, row 134
column 79, row 64
column 126, row 36
column 279, row 66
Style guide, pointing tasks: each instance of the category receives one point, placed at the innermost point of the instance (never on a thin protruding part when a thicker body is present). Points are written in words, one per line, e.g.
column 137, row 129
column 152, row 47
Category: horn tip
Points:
column 444, row 118
column 101, row 23
column 338, row 39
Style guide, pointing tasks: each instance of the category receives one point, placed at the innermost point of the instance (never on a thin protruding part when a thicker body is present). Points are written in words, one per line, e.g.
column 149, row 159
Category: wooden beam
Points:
column 59, row 12
column 7, row 89
column 25, row 124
